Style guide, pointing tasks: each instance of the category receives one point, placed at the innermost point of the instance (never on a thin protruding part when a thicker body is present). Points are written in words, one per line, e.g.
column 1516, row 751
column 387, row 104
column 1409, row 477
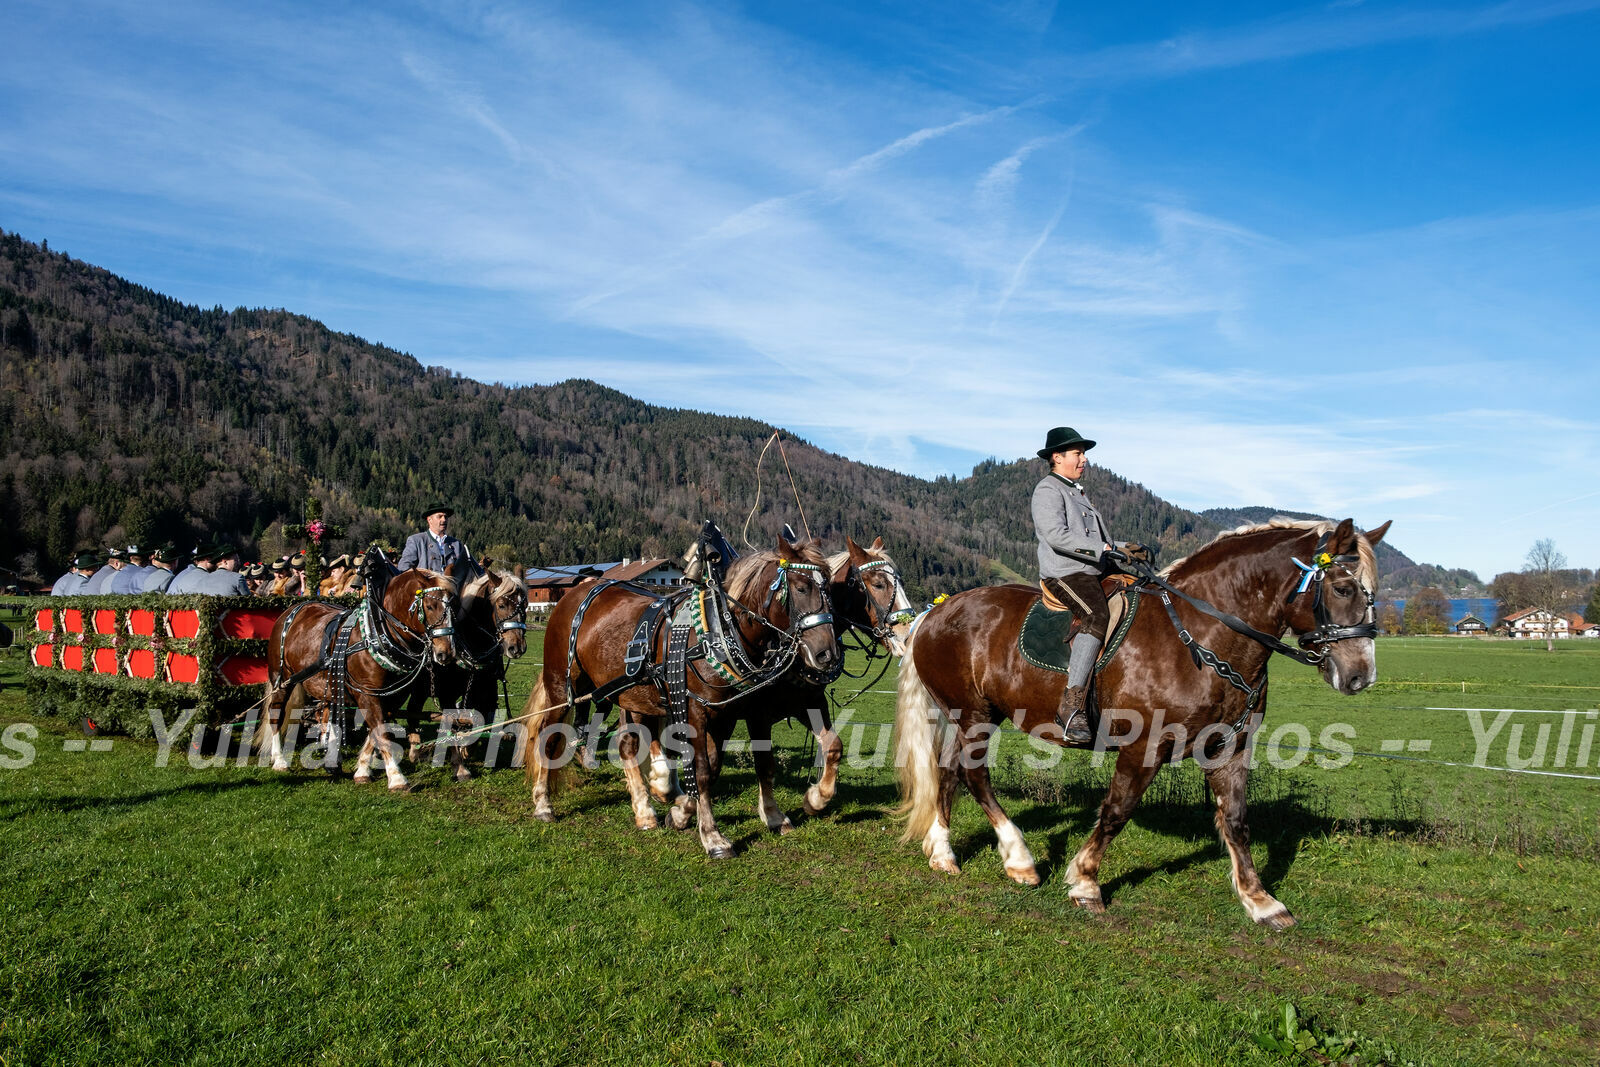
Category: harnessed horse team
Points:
column 758, row 639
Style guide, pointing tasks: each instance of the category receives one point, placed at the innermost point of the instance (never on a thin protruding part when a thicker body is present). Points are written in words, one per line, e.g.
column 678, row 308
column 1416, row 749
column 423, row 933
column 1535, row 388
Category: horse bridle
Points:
column 799, row 624
column 516, row 619
column 894, row 616
column 1317, row 641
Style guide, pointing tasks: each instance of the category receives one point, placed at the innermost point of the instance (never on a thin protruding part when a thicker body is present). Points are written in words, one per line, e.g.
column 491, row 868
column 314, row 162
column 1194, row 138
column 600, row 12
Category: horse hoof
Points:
column 544, row 816
column 280, row 767
column 647, row 824
column 463, row 775
column 1278, row 920
column 948, row 866
column 719, row 853
column 401, row 787
column 1092, row 905
column 1023, row 876
column 786, row 828
column 362, row 779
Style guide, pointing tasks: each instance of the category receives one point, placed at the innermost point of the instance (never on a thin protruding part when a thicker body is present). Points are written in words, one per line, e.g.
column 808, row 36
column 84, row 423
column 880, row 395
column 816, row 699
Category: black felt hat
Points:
column 86, row 560
column 436, row 509
column 1063, row 439
column 167, row 553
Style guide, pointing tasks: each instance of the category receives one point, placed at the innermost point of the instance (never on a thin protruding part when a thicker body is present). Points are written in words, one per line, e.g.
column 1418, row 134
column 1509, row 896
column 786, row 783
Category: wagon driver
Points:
column 1072, row 557
column 436, row 548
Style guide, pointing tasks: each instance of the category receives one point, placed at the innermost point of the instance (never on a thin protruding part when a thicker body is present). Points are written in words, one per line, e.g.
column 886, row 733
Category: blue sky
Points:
column 1339, row 258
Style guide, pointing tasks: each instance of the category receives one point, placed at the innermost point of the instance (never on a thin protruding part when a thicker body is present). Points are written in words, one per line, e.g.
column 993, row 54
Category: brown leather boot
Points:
column 1072, row 719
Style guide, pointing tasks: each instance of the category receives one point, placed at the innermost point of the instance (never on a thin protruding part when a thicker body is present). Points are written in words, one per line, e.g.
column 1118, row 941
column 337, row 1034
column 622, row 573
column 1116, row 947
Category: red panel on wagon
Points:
column 183, row 623
column 105, row 661
column 72, row 658
column 182, row 668
column 249, row 622
column 142, row 663
column 142, row 621
column 243, row 670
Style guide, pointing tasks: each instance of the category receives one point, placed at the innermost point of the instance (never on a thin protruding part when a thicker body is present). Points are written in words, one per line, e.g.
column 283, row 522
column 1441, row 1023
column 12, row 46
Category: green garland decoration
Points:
column 120, row 703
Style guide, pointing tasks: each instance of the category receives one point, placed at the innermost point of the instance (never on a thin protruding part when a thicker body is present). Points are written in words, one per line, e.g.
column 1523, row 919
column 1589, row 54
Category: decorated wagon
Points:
column 120, row 661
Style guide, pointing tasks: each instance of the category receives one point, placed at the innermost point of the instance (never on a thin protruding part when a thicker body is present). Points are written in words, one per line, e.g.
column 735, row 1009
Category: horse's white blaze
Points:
column 1015, row 855
column 936, row 846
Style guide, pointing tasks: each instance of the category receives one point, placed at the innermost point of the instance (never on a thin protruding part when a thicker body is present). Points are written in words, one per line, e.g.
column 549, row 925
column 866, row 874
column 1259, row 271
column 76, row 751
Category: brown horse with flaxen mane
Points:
column 366, row 656
column 1188, row 681
column 773, row 618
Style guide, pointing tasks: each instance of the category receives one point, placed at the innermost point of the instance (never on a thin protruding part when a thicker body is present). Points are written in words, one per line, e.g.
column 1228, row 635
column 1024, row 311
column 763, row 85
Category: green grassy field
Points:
column 228, row 914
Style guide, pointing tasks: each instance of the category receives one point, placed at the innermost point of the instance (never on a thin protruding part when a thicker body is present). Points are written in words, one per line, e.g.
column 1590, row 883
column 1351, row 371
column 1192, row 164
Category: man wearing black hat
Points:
column 225, row 580
column 193, row 576
column 1072, row 548
column 160, row 576
column 130, row 579
column 72, row 582
column 434, row 549
column 100, row 581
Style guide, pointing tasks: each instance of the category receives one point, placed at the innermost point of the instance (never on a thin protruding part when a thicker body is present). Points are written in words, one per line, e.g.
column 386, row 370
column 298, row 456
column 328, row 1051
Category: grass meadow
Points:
column 227, row 914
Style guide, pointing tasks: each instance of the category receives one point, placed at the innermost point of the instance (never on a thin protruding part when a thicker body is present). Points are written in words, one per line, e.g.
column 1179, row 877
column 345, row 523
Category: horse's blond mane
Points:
column 839, row 559
column 746, row 570
column 1366, row 570
column 502, row 583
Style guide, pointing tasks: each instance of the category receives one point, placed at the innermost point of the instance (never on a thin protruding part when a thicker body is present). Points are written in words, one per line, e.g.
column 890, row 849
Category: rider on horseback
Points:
column 1072, row 556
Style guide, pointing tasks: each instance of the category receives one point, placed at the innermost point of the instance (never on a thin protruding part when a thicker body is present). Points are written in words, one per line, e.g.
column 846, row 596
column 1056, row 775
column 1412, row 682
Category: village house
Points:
column 1534, row 624
column 1471, row 625
column 1578, row 628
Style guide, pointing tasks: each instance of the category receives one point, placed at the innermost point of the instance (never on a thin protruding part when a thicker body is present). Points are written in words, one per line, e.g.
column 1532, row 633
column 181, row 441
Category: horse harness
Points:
column 362, row 629
column 1314, row 644
column 706, row 611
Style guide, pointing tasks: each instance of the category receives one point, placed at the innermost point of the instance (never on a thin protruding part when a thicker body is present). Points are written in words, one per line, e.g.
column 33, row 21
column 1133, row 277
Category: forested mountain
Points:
column 126, row 415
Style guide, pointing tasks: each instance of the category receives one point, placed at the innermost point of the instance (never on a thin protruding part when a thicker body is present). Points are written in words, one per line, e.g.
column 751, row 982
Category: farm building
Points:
column 1471, row 624
column 547, row 585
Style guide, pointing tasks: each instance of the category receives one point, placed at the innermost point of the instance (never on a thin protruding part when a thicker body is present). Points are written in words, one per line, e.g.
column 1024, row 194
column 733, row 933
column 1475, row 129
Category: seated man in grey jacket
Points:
column 1073, row 544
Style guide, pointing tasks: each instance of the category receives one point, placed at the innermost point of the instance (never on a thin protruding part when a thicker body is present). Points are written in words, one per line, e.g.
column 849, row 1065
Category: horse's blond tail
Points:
column 263, row 728
column 917, row 726
column 546, row 757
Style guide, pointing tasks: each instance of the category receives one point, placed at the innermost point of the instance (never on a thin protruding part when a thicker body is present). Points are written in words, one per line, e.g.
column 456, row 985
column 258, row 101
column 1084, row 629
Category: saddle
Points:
column 1050, row 624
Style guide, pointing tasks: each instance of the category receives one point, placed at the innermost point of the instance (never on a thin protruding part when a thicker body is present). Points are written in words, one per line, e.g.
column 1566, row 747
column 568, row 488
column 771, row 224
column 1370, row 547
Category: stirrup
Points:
column 1076, row 728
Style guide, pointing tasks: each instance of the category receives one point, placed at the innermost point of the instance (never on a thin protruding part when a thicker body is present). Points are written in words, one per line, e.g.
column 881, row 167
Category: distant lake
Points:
column 1486, row 608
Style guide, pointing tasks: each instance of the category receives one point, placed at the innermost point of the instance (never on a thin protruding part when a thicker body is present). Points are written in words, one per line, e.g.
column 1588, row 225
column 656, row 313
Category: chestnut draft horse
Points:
column 1194, row 688
column 368, row 655
column 490, row 630
column 867, row 596
column 771, row 616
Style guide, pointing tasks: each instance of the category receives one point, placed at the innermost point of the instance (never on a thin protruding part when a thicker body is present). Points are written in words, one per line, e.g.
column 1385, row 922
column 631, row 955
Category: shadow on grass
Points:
column 1064, row 811
column 13, row 810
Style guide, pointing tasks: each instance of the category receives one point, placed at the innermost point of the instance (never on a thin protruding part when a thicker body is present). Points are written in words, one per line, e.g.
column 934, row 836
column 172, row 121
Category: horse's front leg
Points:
column 629, row 735
column 378, row 731
column 1228, row 780
column 830, row 747
column 766, row 767
column 1128, row 782
column 697, row 737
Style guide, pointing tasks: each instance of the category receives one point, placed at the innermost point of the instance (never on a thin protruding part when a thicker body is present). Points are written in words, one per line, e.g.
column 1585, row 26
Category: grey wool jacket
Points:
column 1072, row 535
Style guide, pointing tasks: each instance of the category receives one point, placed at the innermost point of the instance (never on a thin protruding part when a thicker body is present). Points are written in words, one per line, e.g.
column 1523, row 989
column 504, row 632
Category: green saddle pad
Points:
column 1043, row 640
